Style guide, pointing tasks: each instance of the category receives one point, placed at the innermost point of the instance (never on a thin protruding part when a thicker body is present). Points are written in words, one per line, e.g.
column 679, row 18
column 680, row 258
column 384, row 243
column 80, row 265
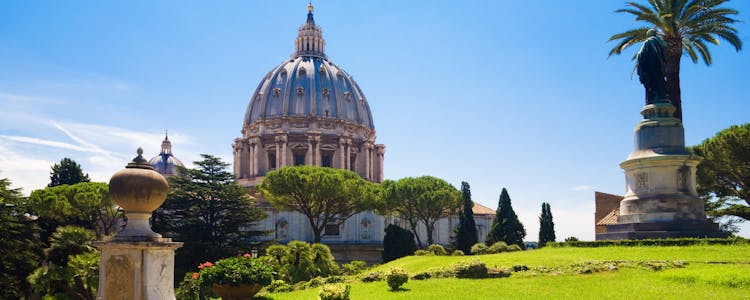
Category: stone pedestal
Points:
column 137, row 263
column 661, row 200
column 137, row 270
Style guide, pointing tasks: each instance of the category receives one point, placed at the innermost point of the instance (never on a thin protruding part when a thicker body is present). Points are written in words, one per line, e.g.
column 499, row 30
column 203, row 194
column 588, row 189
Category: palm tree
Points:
column 685, row 25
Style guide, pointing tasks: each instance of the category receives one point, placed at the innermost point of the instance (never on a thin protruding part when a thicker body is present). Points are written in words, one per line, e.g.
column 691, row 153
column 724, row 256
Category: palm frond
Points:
column 703, row 50
column 629, row 38
column 690, row 51
column 731, row 37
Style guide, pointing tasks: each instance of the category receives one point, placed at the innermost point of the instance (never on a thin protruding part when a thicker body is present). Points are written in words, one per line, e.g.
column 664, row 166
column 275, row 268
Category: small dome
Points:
column 309, row 85
column 165, row 162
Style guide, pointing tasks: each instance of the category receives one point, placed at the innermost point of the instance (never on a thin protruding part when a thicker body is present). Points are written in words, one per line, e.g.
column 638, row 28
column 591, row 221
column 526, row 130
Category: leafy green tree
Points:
column 424, row 199
column 208, row 211
column 67, row 172
column 397, row 243
column 506, row 227
column 546, row 226
column 466, row 234
column 20, row 248
column 685, row 25
column 71, row 270
column 326, row 196
column 724, row 174
column 85, row 204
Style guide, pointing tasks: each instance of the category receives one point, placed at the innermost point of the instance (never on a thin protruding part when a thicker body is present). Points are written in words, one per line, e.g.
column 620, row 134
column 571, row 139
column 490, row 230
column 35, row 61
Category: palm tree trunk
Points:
column 672, row 70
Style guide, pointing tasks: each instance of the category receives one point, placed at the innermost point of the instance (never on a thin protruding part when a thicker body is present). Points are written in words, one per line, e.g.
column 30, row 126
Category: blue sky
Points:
column 499, row 94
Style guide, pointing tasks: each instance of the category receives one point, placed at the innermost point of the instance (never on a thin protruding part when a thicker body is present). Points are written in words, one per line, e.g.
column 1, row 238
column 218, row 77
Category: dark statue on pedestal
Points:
column 650, row 63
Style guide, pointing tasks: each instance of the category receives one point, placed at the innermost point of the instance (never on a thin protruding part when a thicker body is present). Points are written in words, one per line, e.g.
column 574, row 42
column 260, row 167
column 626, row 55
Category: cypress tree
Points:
column 466, row 232
column 506, row 227
column 546, row 226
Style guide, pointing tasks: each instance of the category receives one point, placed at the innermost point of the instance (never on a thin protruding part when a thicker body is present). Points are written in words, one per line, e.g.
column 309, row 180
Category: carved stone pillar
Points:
column 380, row 149
column 313, row 149
column 367, row 157
column 342, row 156
column 281, row 145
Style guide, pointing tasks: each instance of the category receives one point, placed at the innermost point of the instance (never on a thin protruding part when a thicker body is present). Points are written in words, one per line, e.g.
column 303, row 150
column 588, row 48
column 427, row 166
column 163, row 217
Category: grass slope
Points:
column 714, row 272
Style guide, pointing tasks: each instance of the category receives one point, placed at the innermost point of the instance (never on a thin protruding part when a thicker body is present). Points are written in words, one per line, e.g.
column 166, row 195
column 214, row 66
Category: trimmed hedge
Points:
column 651, row 242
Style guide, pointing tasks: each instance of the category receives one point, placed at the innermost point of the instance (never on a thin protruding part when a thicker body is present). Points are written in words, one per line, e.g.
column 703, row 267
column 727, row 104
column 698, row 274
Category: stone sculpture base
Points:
column 661, row 199
column 137, row 270
column 661, row 230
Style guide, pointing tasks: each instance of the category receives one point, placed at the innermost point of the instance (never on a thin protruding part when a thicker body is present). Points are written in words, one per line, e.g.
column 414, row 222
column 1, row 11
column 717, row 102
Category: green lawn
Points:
column 713, row 272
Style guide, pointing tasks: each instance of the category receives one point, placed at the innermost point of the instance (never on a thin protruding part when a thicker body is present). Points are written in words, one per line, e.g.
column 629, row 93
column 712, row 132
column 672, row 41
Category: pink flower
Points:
column 195, row 275
column 247, row 255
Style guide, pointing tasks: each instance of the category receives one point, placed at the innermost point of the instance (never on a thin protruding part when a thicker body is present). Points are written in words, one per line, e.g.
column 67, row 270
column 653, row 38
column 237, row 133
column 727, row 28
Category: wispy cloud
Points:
column 582, row 188
column 12, row 97
column 43, row 142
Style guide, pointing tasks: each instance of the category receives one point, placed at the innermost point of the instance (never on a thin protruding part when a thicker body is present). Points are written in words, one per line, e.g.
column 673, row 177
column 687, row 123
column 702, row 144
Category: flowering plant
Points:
column 235, row 271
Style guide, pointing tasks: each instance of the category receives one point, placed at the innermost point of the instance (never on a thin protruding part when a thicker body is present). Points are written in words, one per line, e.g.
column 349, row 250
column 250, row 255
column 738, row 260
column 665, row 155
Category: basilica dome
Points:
column 166, row 163
column 309, row 85
column 307, row 111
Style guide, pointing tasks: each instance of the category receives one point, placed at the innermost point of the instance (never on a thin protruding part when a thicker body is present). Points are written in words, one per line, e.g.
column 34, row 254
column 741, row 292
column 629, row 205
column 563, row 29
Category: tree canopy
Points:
column 546, row 226
column 466, row 233
column 725, row 172
column 208, row 211
column 506, row 227
column 67, row 172
column 85, row 204
column 424, row 200
column 685, row 25
column 326, row 196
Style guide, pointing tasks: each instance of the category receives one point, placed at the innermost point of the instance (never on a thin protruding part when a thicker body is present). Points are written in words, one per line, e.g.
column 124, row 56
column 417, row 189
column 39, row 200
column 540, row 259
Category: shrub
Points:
column 323, row 261
column 571, row 239
column 652, row 242
column 372, row 277
column 422, row 253
column 422, row 275
column 472, row 269
column 397, row 243
column 236, row 270
column 514, row 248
column 396, row 277
column 437, row 249
column 277, row 286
column 354, row 267
column 457, row 253
column 498, row 247
column 479, row 248
column 519, row 268
column 334, row 292
column 190, row 288
column 498, row 273
column 333, row 279
column 315, row 282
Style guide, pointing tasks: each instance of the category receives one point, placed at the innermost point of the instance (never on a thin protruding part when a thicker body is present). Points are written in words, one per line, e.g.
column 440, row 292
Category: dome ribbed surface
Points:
column 309, row 86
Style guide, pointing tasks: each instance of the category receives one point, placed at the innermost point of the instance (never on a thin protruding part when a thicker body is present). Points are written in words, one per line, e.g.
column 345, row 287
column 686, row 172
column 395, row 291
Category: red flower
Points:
column 205, row 265
column 247, row 255
column 195, row 275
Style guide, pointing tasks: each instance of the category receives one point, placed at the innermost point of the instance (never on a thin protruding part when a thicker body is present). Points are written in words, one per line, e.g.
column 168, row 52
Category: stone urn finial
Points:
column 138, row 190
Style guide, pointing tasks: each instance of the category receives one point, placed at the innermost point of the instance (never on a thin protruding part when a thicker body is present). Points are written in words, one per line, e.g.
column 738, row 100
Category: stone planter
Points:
column 241, row 292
